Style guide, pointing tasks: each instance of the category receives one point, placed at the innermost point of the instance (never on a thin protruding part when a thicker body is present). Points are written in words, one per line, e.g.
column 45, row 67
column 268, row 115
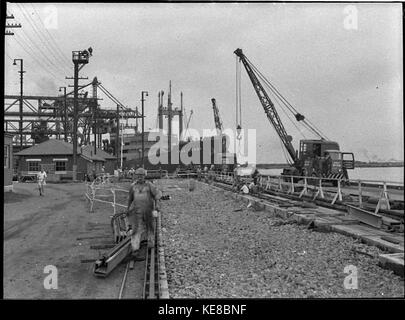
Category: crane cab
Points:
column 323, row 158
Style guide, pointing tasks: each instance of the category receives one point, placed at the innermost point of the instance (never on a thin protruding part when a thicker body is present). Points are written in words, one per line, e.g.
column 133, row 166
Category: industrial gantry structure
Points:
column 34, row 119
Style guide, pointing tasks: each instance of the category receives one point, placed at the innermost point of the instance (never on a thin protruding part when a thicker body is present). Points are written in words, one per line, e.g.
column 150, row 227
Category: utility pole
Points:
column 117, row 135
column 143, row 127
column 122, row 140
column 79, row 58
column 95, row 127
column 170, row 118
column 65, row 123
column 13, row 25
column 21, row 98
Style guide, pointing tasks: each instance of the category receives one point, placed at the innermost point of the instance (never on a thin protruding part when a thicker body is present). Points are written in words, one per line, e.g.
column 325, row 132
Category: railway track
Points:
column 146, row 279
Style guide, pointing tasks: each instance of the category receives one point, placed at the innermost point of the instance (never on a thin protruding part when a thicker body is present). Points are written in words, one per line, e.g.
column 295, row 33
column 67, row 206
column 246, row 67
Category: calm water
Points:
column 395, row 174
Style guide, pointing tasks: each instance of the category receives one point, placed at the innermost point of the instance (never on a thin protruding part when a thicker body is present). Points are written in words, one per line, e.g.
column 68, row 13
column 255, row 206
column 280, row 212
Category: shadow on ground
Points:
column 13, row 197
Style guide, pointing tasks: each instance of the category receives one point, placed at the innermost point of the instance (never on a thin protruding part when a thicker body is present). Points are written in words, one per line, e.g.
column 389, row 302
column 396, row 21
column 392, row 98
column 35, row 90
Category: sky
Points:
column 346, row 78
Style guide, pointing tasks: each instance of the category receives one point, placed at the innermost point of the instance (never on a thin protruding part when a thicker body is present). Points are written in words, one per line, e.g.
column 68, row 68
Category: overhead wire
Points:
column 46, row 69
column 58, row 50
column 286, row 103
column 43, row 43
column 41, row 35
column 27, row 43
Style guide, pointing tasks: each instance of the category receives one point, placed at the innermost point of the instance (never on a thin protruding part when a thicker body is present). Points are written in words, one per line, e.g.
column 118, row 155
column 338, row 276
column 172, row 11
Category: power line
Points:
column 28, row 18
column 29, row 43
column 8, row 56
column 59, row 51
column 38, row 62
column 40, row 34
column 25, row 45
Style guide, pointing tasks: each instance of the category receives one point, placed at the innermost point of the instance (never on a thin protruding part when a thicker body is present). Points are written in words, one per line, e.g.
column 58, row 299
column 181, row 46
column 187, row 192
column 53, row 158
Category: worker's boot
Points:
column 151, row 240
column 138, row 255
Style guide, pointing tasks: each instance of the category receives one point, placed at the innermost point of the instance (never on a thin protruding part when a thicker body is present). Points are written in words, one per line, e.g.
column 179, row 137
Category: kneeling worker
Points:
column 142, row 205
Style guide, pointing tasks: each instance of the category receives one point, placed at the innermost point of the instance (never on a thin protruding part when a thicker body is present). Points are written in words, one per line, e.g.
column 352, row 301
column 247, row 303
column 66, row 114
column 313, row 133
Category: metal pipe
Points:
column 143, row 127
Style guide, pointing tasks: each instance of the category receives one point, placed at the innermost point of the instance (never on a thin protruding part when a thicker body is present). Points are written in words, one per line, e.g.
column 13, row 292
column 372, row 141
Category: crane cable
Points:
column 238, row 106
column 287, row 104
column 283, row 148
column 294, row 111
column 238, row 94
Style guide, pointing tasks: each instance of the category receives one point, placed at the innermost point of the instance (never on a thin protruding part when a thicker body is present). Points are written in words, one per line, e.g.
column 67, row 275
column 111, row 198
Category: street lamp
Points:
column 143, row 128
column 21, row 98
column 79, row 59
column 122, row 138
column 65, row 112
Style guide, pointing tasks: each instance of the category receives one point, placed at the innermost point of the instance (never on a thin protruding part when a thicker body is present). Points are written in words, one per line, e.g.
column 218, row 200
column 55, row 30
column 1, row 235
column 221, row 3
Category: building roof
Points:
column 101, row 153
column 8, row 135
column 57, row 147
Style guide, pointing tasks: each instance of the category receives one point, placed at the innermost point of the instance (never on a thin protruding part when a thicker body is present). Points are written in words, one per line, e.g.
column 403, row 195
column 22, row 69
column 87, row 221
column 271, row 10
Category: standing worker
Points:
column 41, row 177
column 327, row 165
column 142, row 209
column 256, row 176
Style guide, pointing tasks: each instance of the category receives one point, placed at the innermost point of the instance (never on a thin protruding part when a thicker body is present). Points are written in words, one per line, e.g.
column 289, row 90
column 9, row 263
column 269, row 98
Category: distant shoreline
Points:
column 358, row 164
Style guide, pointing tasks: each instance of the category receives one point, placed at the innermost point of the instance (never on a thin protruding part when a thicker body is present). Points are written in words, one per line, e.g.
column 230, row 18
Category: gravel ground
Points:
column 217, row 248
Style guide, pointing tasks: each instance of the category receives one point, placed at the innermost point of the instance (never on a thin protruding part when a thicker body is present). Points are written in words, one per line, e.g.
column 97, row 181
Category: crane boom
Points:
column 268, row 106
column 217, row 119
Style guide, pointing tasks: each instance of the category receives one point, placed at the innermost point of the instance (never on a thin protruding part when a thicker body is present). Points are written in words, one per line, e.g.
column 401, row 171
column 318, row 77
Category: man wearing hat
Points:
column 142, row 205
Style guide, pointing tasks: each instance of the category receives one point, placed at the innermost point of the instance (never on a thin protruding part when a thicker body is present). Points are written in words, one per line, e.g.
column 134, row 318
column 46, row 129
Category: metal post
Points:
column 169, row 118
column 143, row 127
column 117, row 136
column 95, row 124
column 360, row 195
column 65, row 123
column 122, row 140
column 95, row 127
column 75, row 111
column 21, row 72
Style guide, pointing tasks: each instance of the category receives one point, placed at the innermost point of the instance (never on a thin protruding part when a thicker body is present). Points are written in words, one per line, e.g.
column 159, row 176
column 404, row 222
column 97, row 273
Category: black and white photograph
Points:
column 181, row 151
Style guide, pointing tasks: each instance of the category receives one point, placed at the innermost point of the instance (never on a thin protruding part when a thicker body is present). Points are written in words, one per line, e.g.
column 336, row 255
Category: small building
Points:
column 56, row 158
column 8, row 162
column 110, row 163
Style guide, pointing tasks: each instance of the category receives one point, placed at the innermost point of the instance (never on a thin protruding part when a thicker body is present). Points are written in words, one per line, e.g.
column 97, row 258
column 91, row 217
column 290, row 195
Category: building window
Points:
column 6, row 156
column 60, row 166
column 33, row 166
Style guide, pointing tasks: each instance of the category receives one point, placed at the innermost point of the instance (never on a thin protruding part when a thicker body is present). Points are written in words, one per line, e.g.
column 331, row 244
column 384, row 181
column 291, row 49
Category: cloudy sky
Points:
column 347, row 81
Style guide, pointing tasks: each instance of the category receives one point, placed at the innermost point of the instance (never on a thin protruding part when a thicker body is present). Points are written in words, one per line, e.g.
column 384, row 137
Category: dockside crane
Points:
column 188, row 123
column 217, row 118
column 224, row 166
column 313, row 154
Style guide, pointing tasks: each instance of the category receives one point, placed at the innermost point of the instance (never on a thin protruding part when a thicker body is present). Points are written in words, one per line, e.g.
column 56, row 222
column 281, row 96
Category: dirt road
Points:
column 49, row 230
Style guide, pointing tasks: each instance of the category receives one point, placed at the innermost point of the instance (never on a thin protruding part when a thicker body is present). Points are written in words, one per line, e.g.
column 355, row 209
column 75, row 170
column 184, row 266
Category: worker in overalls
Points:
column 142, row 211
column 327, row 164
